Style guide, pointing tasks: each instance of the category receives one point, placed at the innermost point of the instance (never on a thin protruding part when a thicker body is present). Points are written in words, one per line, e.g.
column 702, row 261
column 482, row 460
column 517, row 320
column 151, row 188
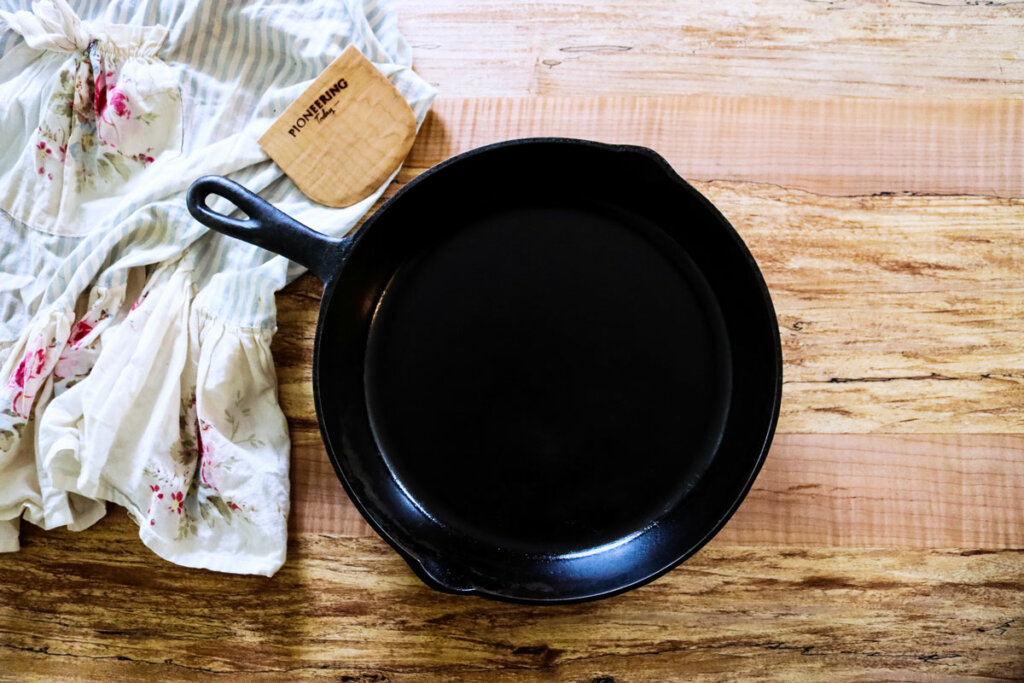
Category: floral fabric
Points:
column 208, row 401
column 112, row 110
column 135, row 363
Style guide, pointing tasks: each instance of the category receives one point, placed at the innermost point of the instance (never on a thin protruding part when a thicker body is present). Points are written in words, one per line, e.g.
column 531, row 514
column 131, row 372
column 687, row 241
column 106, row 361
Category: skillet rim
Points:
column 416, row 563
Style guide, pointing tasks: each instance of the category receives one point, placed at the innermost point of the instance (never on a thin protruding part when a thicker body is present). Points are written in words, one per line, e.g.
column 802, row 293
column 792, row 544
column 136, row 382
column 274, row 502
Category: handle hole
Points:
column 232, row 207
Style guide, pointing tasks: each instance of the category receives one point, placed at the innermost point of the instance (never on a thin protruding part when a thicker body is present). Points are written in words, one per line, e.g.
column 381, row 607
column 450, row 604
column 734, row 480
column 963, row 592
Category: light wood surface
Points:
column 913, row 49
column 98, row 606
column 872, row 156
column 842, row 146
column 833, row 490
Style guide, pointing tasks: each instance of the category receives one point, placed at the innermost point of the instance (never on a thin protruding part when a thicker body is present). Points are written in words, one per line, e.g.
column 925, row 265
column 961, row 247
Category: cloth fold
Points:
column 53, row 25
column 135, row 363
column 208, row 470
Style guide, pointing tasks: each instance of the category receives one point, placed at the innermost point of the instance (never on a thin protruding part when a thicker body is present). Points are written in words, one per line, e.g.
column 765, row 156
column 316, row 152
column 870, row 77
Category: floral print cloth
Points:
column 135, row 363
column 112, row 110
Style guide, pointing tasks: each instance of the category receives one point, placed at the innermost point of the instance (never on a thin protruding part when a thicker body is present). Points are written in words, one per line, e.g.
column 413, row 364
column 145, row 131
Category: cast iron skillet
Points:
column 547, row 370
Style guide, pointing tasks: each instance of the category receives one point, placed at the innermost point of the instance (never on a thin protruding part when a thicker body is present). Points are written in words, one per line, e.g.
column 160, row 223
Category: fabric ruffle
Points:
column 55, row 353
column 179, row 423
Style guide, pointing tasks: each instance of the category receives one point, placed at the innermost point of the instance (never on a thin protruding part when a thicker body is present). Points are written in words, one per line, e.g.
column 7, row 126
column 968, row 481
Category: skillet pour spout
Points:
column 547, row 370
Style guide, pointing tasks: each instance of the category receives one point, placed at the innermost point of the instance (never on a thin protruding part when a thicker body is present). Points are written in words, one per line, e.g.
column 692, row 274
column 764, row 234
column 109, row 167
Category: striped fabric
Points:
column 237, row 65
column 240, row 65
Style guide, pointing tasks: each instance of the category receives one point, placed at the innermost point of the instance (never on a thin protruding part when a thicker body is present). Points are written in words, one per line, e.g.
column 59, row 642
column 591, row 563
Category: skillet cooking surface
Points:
column 547, row 370
column 548, row 378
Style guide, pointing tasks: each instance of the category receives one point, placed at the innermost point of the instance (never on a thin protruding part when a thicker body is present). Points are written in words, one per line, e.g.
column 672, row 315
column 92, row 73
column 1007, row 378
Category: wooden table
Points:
column 872, row 156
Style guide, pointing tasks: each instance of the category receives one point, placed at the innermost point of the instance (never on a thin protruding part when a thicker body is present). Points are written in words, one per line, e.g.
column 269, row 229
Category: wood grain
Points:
column 898, row 491
column 899, row 314
column 893, row 491
column 916, row 299
column 830, row 146
column 934, row 49
column 98, row 605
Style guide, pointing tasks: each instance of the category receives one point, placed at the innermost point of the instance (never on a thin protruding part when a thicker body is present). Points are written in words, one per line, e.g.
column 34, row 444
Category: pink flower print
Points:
column 100, row 95
column 79, row 332
column 139, row 301
column 81, row 329
column 18, row 378
column 16, row 403
column 41, row 145
column 40, row 170
column 111, row 106
column 233, row 506
column 17, row 381
column 155, row 488
column 40, row 358
column 30, row 367
column 119, row 102
column 176, row 502
column 206, row 463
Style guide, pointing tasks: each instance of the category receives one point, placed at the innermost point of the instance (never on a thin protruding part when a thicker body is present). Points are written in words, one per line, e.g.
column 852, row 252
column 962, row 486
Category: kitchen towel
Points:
column 134, row 345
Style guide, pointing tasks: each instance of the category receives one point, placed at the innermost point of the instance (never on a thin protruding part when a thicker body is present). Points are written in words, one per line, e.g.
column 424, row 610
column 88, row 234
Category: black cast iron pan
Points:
column 547, row 370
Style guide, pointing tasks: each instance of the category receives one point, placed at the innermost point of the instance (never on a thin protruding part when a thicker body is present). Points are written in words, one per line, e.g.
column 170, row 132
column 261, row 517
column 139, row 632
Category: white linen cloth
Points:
column 135, row 361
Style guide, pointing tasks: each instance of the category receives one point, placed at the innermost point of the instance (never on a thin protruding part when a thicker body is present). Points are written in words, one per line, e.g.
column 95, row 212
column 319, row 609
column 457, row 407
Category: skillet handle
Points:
column 266, row 226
